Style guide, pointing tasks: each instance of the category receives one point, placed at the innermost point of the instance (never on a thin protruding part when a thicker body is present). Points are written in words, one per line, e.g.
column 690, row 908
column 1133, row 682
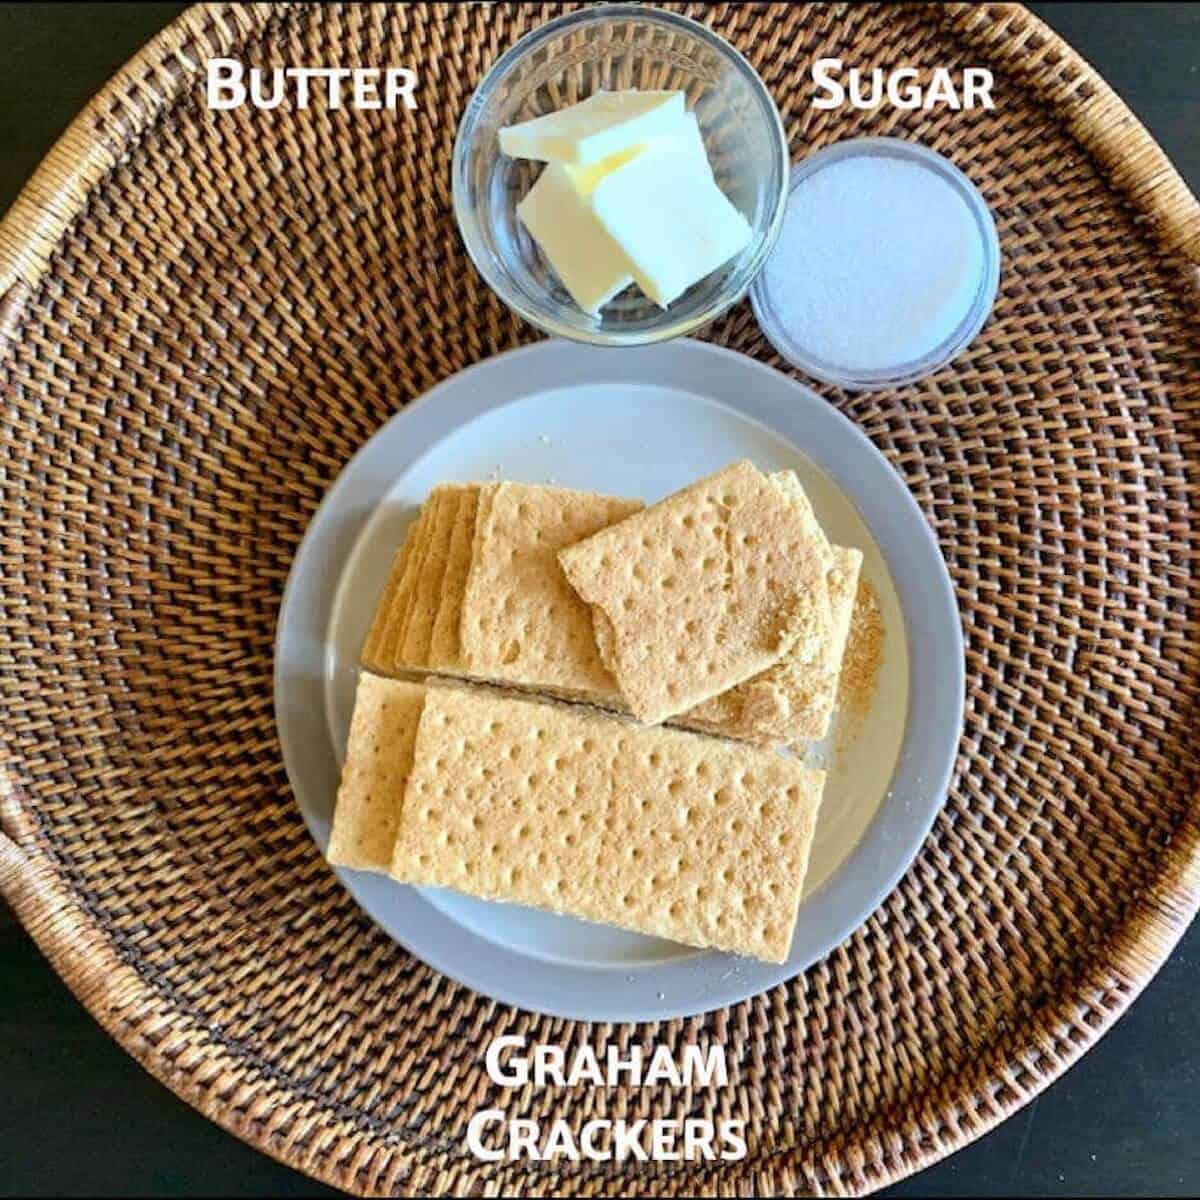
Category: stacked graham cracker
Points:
column 722, row 609
column 478, row 591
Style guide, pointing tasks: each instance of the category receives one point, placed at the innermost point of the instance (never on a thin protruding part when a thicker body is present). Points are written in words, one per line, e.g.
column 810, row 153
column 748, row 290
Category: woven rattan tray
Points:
column 205, row 314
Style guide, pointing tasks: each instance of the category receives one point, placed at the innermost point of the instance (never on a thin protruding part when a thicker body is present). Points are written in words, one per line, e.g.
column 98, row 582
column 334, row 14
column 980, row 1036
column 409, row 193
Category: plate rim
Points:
column 888, row 847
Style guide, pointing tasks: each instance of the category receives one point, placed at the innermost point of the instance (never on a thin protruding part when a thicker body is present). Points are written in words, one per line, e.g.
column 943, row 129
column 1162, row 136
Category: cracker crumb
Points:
column 860, row 666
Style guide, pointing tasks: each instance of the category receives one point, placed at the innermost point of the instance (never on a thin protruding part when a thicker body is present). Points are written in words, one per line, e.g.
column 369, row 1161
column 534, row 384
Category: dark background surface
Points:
column 79, row 1117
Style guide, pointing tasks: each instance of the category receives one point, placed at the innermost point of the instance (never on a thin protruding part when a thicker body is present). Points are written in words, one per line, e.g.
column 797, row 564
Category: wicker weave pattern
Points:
column 203, row 315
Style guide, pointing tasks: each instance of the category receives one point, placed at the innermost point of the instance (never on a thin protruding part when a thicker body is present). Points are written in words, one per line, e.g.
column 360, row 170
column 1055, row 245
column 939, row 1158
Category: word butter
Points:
column 228, row 84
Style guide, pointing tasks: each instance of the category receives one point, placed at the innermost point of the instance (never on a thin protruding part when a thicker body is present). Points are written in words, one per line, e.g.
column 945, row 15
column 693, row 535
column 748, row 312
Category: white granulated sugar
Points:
column 879, row 261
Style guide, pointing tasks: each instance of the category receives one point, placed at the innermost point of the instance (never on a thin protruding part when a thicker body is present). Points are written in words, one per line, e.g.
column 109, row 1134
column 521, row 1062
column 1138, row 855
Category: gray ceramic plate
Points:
column 635, row 422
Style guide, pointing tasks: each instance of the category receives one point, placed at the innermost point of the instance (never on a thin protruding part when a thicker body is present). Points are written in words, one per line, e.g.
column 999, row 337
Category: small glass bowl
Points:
column 792, row 348
column 614, row 47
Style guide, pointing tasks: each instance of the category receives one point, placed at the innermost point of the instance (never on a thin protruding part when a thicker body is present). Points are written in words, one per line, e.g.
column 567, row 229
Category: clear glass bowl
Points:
column 613, row 47
column 790, row 342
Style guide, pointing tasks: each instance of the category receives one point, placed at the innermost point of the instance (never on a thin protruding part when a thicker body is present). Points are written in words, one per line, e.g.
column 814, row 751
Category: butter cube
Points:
column 664, row 211
column 602, row 125
column 558, row 214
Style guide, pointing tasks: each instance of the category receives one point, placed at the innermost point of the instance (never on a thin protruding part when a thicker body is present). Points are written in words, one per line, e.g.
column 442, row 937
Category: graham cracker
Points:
column 789, row 483
column 418, row 538
column 444, row 648
column 521, row 620
column 427, row 594
column 392, row 648
column 705, row 589
column 371, row 651
column 792, row 702
column 661, row 832
column 487, row 494
column 379, row 756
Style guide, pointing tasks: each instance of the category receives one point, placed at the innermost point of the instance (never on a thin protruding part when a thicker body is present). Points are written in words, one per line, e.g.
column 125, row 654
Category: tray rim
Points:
column 881, row 1150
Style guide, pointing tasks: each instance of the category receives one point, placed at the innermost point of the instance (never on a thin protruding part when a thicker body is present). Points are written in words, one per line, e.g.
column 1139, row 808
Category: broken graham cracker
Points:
column 661, row 832
column 789, row 483
column 704, row 590
column 792, row 702
column 861, row 663
column 379, row 756
column 522, row 622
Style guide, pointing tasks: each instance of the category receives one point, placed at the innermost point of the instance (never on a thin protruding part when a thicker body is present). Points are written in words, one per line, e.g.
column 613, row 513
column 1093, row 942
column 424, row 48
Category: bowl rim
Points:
column 667, row 328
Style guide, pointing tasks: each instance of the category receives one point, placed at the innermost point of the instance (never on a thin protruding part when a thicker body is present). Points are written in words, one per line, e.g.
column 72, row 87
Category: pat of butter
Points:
column 558, row 214
column 598, row 127
column 664, row 211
